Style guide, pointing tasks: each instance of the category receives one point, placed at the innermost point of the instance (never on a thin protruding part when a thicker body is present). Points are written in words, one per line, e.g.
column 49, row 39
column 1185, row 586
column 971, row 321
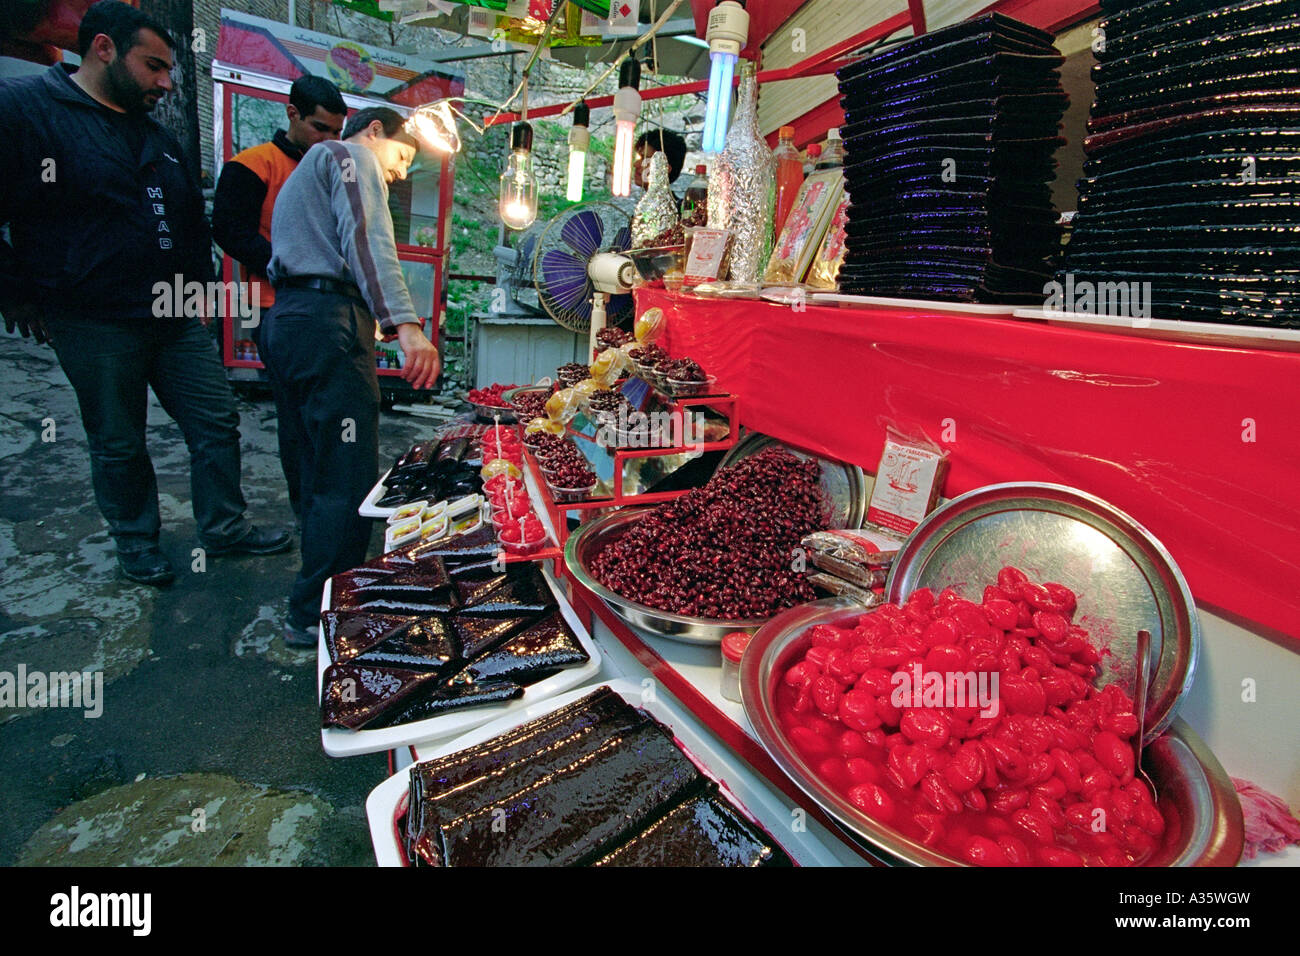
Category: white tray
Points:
column 916, row 305
column 735, row 780
column 1200, row 333
column 369, row 509
column 340, row 742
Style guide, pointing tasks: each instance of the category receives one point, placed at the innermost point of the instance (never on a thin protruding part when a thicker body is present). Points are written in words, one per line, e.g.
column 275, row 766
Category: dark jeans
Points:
column 111, row 366
column 319, row 350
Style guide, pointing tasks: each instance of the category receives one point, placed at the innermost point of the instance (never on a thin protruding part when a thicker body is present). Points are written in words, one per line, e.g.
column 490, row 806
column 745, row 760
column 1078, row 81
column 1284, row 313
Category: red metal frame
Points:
column 435, row 256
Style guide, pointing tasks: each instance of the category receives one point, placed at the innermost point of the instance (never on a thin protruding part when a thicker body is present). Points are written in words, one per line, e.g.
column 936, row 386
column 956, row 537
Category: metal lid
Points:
column 845, row 485
column 1123, row 577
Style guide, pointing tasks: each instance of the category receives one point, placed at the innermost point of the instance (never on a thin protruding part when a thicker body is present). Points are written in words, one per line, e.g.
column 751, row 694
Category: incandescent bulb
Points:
column 517, row 198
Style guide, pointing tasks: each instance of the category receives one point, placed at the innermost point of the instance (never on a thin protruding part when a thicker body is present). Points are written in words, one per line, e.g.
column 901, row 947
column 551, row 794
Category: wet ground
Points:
column 207, row 750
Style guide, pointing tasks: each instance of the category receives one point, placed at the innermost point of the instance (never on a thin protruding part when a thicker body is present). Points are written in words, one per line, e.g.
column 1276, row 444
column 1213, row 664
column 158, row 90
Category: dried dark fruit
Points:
column 723, row 551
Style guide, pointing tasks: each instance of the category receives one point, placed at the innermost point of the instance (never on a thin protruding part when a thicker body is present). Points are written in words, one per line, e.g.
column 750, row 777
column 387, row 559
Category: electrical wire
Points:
column 523, row 83
column 640, row 42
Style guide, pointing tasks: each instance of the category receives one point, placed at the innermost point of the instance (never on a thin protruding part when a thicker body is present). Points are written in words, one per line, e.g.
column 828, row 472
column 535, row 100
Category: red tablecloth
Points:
column 1201, row 444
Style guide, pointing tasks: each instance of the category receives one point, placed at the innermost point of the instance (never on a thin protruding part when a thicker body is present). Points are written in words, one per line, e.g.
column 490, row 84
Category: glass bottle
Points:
column 695, row 204
column 742, row 187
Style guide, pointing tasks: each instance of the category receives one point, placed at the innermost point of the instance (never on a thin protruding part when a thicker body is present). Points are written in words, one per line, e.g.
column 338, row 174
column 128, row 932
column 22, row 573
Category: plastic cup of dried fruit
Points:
column 681, row 389
column 570, row 494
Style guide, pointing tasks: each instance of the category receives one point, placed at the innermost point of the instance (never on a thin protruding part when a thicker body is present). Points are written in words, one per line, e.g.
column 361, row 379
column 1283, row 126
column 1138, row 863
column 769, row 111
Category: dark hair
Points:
column 121, row 23
column 394, row 124
column 671, row 144
column 309, row 92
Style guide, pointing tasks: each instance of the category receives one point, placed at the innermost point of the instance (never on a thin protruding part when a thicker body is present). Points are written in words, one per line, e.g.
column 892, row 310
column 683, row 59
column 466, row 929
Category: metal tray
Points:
column 592, row 538
column 1193, row 790
column 848, row 486
column 487, row 412
column 1124, row 578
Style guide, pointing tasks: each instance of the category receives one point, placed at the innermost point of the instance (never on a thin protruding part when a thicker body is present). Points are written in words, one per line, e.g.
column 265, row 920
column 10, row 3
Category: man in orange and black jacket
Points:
column 250, row 181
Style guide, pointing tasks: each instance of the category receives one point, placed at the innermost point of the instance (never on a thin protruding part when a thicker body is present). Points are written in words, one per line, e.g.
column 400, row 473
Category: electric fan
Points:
column 582, row 282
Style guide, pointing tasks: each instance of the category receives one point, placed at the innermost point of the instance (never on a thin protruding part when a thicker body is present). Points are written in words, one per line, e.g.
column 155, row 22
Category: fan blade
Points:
column 583, row 232
column 618, row 308
column 564, row 279
column 622, row 240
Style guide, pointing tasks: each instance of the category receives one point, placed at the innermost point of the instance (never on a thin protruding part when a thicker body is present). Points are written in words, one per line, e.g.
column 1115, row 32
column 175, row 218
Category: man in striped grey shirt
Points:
column 335, row 270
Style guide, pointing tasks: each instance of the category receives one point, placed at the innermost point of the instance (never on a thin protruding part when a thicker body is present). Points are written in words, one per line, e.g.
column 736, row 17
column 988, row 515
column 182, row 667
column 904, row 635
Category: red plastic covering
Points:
column 1201, row 444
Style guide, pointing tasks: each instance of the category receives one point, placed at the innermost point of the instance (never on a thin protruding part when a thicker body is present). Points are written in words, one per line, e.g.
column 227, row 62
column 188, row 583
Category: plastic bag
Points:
column 842, row 588
column 862, row 576
column 863, row 547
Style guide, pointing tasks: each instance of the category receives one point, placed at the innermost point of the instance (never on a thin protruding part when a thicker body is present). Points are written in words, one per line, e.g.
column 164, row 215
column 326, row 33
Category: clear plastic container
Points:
column 833, row 155
column 789, row 177
column 733, row 649
column 402, row 533
column 403, row 513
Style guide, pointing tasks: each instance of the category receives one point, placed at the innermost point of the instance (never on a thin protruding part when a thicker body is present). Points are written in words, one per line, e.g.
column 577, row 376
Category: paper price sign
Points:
column 707, row 248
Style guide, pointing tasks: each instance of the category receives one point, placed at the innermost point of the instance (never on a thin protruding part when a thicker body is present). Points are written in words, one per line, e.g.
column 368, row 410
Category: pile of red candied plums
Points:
column 886, row 709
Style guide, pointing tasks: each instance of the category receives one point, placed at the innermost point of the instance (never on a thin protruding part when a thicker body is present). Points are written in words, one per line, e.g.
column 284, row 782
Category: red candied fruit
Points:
column 1041, row 775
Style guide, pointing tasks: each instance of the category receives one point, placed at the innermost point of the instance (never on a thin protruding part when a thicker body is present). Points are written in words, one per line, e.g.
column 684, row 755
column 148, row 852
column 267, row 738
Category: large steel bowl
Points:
column 592, row 538
column 1203, row 815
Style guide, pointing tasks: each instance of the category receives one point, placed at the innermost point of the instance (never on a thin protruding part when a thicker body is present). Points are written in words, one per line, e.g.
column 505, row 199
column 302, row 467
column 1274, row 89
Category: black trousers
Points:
column 112, row 365
column 319, row 351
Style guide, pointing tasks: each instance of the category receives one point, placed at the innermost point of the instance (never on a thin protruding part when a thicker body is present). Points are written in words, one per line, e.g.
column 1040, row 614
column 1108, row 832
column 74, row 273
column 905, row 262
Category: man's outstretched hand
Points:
column 27, row 320
column 423, row 363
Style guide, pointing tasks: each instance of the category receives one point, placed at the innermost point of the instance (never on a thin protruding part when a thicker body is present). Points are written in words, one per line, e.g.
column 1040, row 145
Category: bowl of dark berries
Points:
column 714, row 560
column 571, row 374
column 528, row 401
column 648, row 359
column 612, row 337
column 683, row 378
column 569, row 481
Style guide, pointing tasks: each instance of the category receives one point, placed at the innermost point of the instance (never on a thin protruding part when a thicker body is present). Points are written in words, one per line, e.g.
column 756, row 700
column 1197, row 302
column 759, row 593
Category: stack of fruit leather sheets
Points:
column 949, row 144
column 1192, row 177
column 437, row 627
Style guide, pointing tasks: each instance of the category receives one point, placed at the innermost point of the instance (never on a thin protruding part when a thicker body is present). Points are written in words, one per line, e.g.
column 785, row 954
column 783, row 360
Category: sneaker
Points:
column 301, row 636
column 149, row 566
column 257, row 541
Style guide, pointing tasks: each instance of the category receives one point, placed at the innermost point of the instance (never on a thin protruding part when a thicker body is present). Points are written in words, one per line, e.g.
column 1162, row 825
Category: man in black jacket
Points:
column 106, row 229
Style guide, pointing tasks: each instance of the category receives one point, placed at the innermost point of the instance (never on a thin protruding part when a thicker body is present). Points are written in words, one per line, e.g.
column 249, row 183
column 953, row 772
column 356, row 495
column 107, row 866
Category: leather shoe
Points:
column 149, row 566
column 257, row 541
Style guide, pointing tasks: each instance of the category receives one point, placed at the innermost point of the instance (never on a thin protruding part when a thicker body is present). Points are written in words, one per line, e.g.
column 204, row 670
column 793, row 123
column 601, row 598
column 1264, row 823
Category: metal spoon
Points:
column 1140, row 700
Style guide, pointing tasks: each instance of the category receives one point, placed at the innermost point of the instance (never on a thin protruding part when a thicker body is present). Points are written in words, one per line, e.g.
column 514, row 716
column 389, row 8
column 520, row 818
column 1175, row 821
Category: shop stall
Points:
column 868, row 537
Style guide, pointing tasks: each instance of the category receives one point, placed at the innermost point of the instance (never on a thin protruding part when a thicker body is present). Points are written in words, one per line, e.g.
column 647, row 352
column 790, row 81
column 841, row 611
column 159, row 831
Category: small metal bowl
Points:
column 1195, row 794
column 592, row 538
column 653, row 262
column 505, row 414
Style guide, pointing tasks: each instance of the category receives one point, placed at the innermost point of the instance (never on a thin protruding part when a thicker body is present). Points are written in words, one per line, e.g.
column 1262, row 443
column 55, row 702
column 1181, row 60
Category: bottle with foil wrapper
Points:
column 656, row 213
column 742, row 188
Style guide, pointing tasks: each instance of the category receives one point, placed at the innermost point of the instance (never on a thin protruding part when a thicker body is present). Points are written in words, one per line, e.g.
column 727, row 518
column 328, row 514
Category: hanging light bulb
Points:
column 627, row 107
column 517, row 200
column 579, row 140
column 727, row 34
column 435, row 123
